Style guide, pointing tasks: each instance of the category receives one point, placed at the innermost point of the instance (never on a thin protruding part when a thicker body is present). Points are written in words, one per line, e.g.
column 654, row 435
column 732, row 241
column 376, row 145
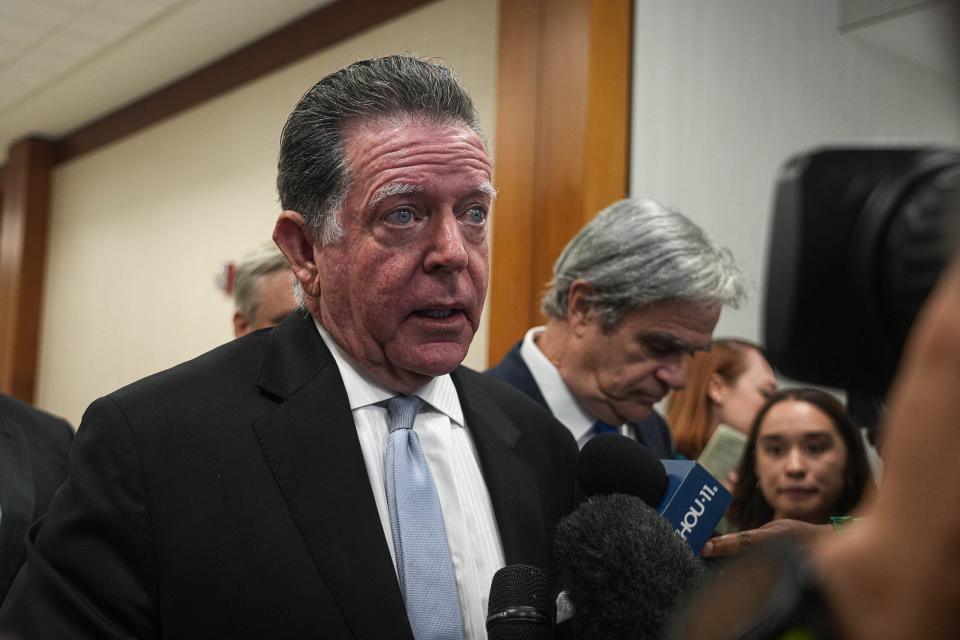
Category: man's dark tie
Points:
column 602, row 427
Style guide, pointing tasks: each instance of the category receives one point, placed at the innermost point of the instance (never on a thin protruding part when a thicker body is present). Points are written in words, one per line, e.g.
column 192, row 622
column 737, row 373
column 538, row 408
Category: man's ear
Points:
column 296, row 243
column 716, row 388
column 240, row 325
column 580, row 306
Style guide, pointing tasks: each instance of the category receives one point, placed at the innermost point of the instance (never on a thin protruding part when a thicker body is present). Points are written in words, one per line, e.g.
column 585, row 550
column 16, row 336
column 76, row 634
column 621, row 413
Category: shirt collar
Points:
column 363, row 390
column 561, row 402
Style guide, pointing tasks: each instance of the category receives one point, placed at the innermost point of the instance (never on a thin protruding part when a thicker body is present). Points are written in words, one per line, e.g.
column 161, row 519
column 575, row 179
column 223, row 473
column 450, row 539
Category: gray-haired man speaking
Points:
column 634, row 294
column 338, row 476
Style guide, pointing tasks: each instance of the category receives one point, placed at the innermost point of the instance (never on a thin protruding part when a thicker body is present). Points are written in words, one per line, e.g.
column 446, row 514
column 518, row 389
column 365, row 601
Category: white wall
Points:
column 725, row 91
column 139, row 228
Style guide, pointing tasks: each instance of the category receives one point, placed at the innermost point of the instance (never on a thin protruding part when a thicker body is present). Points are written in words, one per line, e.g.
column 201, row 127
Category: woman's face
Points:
column 737, row 404
column 800, row 462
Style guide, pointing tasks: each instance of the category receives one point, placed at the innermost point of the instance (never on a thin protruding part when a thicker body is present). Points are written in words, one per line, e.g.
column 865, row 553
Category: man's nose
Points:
column 447, row 250
column 673, row 372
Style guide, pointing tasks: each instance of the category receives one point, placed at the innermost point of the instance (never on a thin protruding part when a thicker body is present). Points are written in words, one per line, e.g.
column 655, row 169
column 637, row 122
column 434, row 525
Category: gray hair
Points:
column 636, row 252
column 312, row 178
column 264, row 260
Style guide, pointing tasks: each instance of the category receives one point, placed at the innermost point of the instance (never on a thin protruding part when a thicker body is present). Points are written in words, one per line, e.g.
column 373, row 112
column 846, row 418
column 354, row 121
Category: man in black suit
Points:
column 34, row 448
column 633, row 295
column 291, row 483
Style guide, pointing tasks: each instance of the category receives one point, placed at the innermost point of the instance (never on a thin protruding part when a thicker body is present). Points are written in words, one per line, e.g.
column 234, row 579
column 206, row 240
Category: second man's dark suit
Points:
column 228, row 498
column 34, row 450
column 651, row 431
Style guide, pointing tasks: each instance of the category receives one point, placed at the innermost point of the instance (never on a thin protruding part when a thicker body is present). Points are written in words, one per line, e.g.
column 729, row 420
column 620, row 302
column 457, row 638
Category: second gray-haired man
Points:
column 634, row 294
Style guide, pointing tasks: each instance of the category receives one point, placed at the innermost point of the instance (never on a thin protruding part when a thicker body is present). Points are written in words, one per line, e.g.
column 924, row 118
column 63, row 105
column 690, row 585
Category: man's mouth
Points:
column 437, row 314
column 646, row 398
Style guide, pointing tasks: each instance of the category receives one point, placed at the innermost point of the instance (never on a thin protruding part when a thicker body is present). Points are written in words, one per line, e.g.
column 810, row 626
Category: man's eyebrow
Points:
column 399, row 188
column 393, row 189
column 674, row 342
column 487, row 188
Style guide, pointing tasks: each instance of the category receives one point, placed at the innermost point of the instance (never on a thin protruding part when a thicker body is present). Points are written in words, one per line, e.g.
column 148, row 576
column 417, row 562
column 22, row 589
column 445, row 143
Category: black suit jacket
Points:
column 34, row 447
column 228, row 498
column 651, row 431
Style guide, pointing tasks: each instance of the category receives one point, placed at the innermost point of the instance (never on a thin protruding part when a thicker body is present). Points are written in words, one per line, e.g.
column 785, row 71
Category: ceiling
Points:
column 64, row 63
column 921, row 31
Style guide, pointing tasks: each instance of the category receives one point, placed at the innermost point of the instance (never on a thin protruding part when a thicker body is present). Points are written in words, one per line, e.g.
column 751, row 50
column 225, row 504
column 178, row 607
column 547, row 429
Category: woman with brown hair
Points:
column 725, row 385
column 805, row 460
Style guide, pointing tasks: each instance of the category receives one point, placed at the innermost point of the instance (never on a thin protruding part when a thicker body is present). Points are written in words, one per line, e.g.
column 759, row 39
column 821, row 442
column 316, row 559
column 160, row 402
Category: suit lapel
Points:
column 16, row 495
column 525, row 380
column 311, row 444
column 513, row 483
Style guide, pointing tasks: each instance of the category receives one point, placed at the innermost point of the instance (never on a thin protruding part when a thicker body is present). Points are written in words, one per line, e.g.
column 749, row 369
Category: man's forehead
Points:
column 385, row 159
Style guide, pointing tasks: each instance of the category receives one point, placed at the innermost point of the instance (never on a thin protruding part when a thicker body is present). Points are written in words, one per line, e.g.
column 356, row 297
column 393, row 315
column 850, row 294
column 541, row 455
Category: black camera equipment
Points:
column 859, row 237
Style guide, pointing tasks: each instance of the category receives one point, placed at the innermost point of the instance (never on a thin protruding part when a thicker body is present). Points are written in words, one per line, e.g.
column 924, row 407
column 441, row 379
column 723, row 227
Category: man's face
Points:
column 619, row 374
column 403, row 291
column 276, row 301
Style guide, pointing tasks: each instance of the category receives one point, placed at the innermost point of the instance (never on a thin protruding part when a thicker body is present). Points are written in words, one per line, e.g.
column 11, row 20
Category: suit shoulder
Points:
column 39, row 427
column 220, row 368
column 657, row 418
column 510, row 366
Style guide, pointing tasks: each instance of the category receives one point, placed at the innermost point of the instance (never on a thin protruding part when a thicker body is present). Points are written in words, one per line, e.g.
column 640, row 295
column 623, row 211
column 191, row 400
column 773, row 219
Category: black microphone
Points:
column 519, row 608
column 612, row 463
column 623, row 569
column 684, row 493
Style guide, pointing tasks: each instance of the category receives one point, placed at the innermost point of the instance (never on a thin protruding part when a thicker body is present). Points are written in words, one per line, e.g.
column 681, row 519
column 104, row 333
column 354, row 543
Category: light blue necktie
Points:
column 424, row 568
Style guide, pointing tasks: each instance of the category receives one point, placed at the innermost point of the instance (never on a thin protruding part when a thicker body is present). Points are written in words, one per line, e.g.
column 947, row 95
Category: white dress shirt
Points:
column 472, row 533
column 563, row 405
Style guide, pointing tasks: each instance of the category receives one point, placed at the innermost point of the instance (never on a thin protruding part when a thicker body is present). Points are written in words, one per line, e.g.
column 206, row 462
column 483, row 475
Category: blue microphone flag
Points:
column 693, row 503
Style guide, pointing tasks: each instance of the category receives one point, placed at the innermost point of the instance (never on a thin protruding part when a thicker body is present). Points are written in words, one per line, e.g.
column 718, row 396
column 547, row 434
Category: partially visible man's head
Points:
column 634, row 294
column 263, row 291
column 386, row 186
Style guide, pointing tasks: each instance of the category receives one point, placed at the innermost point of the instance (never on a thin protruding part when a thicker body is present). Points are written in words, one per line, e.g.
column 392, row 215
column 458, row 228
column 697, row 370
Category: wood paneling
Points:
column 607, row 142
column 562, row 139
column 315, row 31
column 23, row 242
column 513, row 259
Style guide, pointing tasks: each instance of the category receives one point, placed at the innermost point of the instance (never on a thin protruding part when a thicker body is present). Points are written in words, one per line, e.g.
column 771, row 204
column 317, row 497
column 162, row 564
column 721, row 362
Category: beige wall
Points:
column 139, row 228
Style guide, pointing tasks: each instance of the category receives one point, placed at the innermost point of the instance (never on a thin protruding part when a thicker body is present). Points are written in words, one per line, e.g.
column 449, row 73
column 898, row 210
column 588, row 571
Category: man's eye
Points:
column 401, row 216
column 661, row 349
column 476, row 215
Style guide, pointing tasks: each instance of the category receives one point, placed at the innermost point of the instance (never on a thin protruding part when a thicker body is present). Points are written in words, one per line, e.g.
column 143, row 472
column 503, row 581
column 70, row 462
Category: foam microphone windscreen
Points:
column 519, row 607
column 623, row 568
column 612, row 463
